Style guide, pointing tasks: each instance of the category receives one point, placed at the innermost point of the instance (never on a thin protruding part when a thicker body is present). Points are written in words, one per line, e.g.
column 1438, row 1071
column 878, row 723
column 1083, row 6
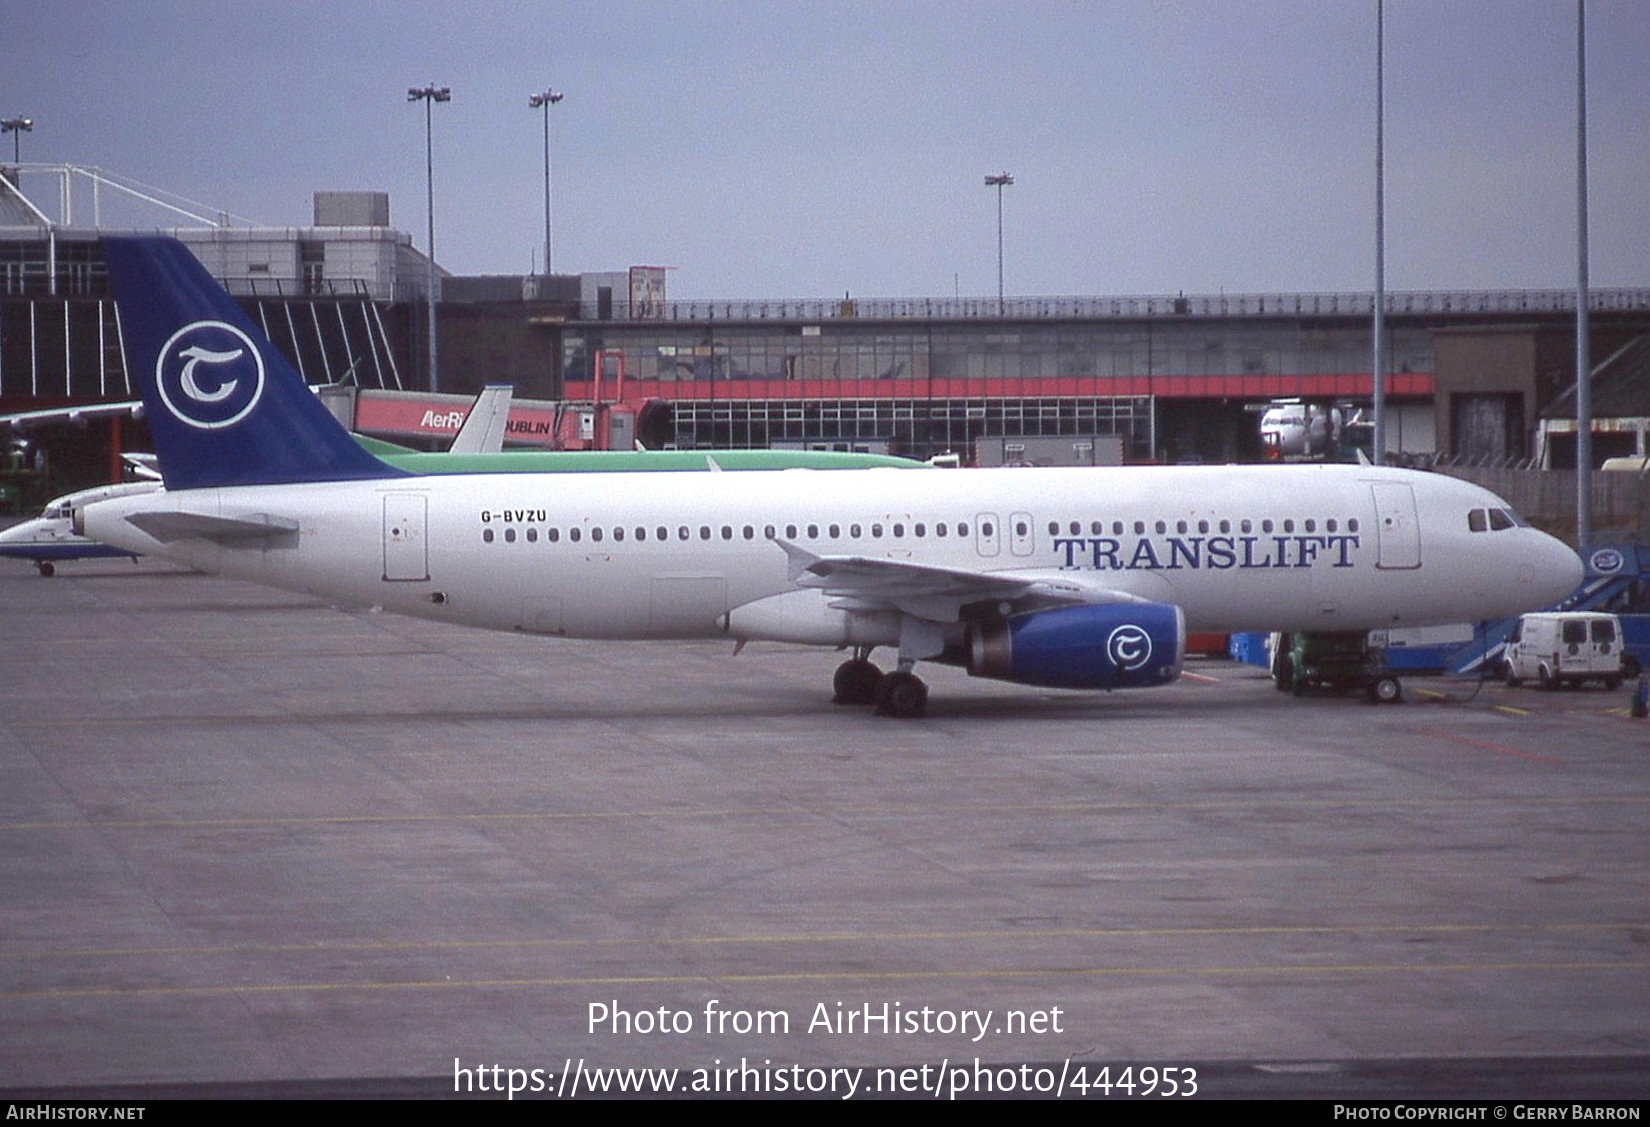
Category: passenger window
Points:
column 836, row 531
column 553, row 535
column 748, row 532
column 618, row 534
column 876, row 531
column 768, row 532
column 509, row 536
column 813, row 532
column 1352, row 525
column 532, row 536
column 1329, row 525
column 920, row 530
column 899, row 531
column 1162, row 527
column 1247, row 527
column 662, row 532
column 1289, row 526
column 1311, row 526
column 853, row 531
column 1054, row 528
column 985, row 529
column 939, row 529
column 596, row 534
column 1180, row 527
column 727, row 532
column 1266, row 526
column 1139, row 528
column 790, row 532
column 682, row 532
column 486, row 536
column 1021, row 528
column 704, row 532
column 573, row 535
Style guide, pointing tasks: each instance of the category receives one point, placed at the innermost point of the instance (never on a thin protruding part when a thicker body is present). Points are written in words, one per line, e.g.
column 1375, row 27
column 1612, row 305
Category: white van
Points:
column 1555, row 648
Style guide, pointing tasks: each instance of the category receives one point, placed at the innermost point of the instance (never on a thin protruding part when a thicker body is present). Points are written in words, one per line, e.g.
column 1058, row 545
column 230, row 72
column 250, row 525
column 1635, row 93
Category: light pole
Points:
column 429, row 95
column 545, row 101
column 999, row 182
column 16, row 126
column 1379, row 360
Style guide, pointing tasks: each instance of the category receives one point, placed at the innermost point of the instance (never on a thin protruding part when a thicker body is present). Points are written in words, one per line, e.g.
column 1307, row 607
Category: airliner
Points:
column 1069, row 578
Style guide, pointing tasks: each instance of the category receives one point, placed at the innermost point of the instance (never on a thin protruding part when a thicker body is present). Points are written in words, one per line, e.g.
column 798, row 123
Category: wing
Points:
column 936, row 594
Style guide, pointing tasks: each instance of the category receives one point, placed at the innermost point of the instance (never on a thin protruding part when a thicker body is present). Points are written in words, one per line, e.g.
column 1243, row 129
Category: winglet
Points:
column 224, row 406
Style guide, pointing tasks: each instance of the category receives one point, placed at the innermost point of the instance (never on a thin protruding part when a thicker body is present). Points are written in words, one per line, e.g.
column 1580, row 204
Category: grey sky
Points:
column 808, row 149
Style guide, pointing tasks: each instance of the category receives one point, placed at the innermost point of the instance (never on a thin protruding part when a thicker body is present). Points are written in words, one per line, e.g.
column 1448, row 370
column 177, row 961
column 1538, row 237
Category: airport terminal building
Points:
column 1177, row 377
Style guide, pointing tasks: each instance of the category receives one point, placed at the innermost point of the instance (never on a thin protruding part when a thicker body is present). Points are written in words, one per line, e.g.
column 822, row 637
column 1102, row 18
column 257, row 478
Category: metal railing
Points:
column 1416, row 303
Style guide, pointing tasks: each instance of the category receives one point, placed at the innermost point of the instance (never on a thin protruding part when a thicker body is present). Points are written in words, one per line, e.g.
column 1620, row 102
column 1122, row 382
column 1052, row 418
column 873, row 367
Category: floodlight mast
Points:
column 16, row 126
column 429, row 94
column 999, row 182
column 545, row 101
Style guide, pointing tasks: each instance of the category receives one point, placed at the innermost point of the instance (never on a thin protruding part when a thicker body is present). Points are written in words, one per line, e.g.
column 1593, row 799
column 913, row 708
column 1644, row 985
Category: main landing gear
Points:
column 901, row 693
column 856, row 682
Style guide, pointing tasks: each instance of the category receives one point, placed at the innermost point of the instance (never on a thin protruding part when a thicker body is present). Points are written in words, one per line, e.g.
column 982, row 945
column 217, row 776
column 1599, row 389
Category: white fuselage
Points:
column 640, row 556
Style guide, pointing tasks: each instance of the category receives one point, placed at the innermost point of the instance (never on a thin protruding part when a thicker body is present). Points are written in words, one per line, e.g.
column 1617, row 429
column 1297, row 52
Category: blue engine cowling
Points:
column 1110, row 646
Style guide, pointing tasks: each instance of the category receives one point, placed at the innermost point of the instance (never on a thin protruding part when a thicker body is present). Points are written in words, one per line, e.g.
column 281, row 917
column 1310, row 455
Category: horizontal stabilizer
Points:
column 167, row 527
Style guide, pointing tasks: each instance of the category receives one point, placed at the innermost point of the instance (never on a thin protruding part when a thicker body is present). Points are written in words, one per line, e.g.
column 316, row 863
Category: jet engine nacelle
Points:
column 1110, row 646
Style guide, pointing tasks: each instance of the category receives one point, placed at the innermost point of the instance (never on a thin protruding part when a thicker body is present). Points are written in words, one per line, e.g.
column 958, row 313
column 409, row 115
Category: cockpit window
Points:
column 1492, row 520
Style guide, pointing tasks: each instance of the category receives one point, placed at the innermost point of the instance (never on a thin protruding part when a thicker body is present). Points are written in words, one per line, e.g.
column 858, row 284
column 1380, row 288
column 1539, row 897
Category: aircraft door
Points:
column 1397, row 528
column 1022, row 537
column 406, row 543
column 987, row 534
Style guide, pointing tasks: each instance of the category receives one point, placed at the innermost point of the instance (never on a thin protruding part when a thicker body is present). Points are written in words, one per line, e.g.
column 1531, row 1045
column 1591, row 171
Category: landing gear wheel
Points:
column 856, row 682
column 1385, row 690
column 902, row 694
column 46, row 569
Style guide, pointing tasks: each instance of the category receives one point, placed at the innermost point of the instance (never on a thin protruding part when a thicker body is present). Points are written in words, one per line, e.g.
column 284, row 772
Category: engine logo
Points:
column 210, row 375
column 1129, row 646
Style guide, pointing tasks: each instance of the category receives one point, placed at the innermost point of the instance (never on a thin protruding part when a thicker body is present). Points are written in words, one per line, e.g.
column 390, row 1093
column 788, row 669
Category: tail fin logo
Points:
column 210, row 375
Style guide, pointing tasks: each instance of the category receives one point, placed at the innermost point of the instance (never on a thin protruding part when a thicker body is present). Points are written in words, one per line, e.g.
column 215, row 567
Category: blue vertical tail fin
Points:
column 224, row 407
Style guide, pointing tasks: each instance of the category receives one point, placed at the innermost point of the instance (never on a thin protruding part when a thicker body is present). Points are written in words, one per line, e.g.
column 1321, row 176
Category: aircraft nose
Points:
column 1556, row 570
